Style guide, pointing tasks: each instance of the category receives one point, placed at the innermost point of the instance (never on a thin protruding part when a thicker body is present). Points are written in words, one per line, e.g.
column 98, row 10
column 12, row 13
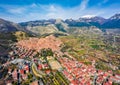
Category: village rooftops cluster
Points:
column 38, row 44
column 80, row 74
column 23, row 72
column 20, row 73
column 27, row 59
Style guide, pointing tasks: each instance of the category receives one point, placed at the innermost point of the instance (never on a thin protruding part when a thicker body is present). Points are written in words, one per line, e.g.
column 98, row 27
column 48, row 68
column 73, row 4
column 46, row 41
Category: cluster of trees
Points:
column 46, row 52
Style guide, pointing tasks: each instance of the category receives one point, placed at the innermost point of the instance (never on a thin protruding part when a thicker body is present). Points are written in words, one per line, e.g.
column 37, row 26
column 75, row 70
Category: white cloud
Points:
column 84, row 4
column 88, row 16
column 38, row 11
column 52, row 8
column 33, row 5
column 103, row 2
column 17, row 10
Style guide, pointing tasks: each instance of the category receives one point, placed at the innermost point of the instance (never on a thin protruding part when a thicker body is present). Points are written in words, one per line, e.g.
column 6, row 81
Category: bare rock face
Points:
column 38, row 44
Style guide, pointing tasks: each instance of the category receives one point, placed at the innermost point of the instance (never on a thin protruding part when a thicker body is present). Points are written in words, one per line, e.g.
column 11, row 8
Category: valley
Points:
column 60, row 52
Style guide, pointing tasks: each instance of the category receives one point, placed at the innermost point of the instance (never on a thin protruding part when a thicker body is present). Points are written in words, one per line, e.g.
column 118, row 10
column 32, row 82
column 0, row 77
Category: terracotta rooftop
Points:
column 37, row 44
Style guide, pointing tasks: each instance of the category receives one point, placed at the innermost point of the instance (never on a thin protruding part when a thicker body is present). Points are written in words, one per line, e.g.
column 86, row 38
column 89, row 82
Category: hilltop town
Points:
column 40, row 61
column 59, row 42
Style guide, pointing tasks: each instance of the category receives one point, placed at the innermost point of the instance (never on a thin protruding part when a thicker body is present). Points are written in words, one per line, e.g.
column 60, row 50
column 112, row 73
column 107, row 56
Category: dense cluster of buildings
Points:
column 22, row 72
column 38, row 44
column 76, row 72
column 80, row 74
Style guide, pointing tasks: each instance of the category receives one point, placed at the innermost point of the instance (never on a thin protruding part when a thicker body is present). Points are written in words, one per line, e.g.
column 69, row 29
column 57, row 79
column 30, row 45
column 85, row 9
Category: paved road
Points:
column 37, row 72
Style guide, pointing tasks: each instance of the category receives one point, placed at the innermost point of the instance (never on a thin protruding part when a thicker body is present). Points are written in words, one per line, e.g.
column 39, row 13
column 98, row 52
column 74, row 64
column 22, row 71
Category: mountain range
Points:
column 8, row 26
column 62, row 26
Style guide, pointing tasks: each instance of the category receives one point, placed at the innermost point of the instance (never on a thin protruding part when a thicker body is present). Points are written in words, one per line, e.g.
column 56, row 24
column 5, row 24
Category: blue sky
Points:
column 26, row 10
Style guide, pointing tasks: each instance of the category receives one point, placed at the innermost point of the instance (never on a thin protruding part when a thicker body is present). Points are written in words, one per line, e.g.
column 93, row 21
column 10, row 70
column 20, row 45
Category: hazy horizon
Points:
column 29, row 10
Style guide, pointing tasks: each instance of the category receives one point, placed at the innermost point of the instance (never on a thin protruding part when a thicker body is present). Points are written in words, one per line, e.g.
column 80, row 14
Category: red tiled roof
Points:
column 26, row 67
column 74, row 82
column 21, row 71
column 65, row 72
column 39, row 66
column 47, row 71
